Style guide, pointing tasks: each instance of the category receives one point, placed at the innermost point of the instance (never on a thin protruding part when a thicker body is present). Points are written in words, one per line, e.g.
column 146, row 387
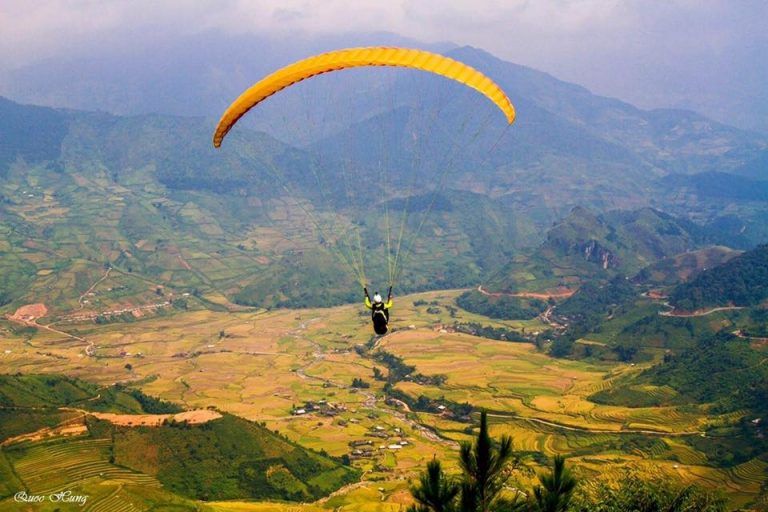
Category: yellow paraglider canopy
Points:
column 360, row 57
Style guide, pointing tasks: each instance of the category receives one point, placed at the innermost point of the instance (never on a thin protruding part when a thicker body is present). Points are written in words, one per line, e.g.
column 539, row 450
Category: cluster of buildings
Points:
column 322, row 407
column 393, row 440
column 377, row 439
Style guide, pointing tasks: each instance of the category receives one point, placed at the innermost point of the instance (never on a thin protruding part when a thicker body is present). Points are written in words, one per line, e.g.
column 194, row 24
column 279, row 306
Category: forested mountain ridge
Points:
column 685, row 266
column 741, row 281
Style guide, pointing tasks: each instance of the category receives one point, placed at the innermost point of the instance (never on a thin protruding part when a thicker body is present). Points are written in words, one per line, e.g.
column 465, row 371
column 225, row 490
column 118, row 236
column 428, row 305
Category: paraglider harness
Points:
column 379, row 311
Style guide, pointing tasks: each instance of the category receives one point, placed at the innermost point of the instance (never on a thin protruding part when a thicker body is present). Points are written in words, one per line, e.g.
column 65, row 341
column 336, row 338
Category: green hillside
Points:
column 227, row 458
column 685, row 266
column 33, row 134
column 720, row 373
column 721, row 370
column 32, row 402
column 742, row 281
column 40, row 391
column 31, row 391
column 592, row 303
column 503, row 307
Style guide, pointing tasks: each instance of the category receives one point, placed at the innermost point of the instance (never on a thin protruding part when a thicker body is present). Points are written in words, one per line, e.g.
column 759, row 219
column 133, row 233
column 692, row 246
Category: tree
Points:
column 485, row 465
column 627, row 350
column 360, row 383
column 562, row 346
column 435, row 491
column 556, row 488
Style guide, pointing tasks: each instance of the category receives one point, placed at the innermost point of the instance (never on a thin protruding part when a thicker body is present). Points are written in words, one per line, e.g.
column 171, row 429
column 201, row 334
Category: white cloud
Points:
column 47, row 26
column 649, row 52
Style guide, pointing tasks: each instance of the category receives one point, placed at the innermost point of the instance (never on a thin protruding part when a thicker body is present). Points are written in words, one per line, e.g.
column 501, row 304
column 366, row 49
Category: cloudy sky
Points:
column 703, row 54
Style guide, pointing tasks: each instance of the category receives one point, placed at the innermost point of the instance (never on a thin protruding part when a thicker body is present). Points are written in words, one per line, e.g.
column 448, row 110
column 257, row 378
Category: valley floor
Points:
column 267, row 366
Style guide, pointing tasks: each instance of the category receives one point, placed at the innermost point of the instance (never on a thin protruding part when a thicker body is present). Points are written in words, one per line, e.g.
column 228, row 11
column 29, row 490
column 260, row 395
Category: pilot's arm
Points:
column 390, row 301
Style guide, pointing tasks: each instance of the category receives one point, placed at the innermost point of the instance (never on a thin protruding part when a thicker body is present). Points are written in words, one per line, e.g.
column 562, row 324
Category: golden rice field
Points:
column 260, row 365
column 48, row 467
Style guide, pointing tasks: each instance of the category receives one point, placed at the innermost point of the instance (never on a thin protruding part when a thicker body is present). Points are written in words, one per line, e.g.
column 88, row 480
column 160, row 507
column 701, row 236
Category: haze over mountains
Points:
column 503, row 188
column 131, row 69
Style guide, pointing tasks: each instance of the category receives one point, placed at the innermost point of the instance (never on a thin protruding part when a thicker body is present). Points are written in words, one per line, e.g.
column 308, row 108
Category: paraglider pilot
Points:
column 379, row 310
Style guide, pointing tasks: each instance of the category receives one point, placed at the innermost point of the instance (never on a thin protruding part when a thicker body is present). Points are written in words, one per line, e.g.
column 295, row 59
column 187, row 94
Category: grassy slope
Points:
column 228, row 458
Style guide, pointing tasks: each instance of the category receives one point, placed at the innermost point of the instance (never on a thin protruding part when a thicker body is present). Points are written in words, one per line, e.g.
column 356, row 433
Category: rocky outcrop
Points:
column 594, row 252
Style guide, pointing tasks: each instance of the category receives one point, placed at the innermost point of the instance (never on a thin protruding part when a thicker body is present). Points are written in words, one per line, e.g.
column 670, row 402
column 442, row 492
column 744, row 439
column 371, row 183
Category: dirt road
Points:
column 558, row 293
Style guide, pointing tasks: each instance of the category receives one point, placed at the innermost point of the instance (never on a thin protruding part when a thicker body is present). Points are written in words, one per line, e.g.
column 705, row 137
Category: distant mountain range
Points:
column 167, row 73
column 149, row 196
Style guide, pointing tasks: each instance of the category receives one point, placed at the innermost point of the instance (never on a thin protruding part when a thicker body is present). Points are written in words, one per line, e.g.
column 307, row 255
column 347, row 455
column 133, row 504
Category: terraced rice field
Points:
column 515, row 378
column 113, row 502
column 47, row 467
column 752, row 473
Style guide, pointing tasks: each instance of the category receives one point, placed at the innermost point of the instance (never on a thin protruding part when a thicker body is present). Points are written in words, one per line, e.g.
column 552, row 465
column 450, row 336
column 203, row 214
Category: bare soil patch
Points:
column 30, row 312
column 155, row 420
column 561, row 292
column 74, row 427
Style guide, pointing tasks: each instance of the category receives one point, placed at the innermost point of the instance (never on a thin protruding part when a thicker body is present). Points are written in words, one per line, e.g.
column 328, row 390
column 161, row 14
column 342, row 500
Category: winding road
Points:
column 562, row 293
column 701, row 312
